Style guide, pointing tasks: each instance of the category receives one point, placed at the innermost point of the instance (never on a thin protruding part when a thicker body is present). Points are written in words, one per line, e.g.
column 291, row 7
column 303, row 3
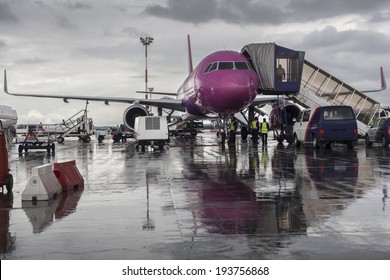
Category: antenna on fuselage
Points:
column 190, row 68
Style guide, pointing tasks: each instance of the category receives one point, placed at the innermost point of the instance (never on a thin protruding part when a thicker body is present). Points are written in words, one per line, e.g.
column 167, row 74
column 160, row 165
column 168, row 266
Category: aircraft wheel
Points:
column 350, row 145
column 9, row 182
column 290, row 139
column 279, row 138
column 60, row 139
column 20, row 149
column 100, row 138
column 367, row 141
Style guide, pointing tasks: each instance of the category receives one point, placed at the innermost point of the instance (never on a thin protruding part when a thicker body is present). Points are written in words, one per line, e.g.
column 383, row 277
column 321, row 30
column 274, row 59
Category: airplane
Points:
column 222, row 84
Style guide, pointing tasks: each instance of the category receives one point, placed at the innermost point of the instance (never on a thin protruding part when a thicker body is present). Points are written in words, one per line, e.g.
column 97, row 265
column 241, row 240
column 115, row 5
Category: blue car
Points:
column 326, row 125
column 379, row 132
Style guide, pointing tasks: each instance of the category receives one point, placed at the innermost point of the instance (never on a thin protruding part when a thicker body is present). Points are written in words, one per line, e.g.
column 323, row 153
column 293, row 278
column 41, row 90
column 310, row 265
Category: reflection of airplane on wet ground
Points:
column 223, row 84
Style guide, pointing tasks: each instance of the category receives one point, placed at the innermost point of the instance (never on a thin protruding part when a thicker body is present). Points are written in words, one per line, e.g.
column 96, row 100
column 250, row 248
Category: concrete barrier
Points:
column 42, row 185
column 68, row 175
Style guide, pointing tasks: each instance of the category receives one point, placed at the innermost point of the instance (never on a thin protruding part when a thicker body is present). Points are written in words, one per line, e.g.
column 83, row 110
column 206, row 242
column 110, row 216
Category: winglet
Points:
column 383, row 83
column 190, row 68
column 5, row 81
column 383, row 80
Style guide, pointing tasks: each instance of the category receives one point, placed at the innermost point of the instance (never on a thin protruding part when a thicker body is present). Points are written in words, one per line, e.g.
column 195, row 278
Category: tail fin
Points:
column 383, row 83
column 190, row 68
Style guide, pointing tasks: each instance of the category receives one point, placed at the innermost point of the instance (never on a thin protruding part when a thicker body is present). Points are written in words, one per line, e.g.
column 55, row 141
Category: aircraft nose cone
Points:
column 234, row 92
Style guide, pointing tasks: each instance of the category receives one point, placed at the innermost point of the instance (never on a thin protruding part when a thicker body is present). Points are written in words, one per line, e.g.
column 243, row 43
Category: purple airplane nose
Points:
column 231, row 91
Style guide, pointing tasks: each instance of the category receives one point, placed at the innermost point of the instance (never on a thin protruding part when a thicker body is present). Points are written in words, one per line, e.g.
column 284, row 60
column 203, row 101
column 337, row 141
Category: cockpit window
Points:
column 213, row 66
column 227, row 65
column 241, row 65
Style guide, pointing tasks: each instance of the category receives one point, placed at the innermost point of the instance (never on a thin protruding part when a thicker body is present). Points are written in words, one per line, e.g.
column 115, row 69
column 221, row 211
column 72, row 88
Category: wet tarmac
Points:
column 196, row 200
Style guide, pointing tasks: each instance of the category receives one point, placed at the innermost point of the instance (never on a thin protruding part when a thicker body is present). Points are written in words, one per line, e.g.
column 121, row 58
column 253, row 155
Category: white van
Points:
column 151, row 130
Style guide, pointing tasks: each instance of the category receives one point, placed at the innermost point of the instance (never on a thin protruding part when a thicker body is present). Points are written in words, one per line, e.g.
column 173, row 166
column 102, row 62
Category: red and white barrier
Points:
column 42, row 185
column 68, row 175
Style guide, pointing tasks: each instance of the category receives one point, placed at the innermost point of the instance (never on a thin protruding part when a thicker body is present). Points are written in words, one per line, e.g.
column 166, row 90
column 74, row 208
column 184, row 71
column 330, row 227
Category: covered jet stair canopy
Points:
column 319, row 88
column 266, row 58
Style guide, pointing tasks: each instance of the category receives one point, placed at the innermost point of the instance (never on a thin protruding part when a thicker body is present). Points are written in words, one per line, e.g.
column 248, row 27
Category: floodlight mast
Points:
column 146, row 41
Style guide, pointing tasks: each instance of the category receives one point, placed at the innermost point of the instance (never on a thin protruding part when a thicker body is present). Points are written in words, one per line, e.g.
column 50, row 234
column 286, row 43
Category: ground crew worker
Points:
column 255, row 130
column 232, row 131
column 264, row 128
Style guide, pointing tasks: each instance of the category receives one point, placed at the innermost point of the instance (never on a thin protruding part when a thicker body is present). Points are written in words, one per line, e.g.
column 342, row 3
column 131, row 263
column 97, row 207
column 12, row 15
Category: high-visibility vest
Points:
column 254, row 124
column 232, row 126
column 264, row 127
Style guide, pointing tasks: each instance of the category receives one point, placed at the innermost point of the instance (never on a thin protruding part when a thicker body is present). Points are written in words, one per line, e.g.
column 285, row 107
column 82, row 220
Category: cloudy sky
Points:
column 93, row 47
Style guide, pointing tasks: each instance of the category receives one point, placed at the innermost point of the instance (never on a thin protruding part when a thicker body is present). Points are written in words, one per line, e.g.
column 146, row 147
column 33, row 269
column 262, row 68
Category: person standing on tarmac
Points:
column 232, row 131
column 255, row 130
column 264, row 128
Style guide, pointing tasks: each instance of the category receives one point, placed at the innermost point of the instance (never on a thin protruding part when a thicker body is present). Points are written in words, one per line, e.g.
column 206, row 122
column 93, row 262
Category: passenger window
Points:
column 225, row 65
column 376, row 123
column 306, row 116
column 381, row 122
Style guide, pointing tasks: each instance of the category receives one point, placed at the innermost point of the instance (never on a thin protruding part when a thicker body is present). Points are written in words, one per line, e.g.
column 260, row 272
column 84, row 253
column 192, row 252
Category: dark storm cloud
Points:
column 187, row 11
column 330, row 38
column 260, row 11
column 6, row 14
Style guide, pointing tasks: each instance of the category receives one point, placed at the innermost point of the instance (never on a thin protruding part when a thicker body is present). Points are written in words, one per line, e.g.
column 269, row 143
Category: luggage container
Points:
column 151, row 130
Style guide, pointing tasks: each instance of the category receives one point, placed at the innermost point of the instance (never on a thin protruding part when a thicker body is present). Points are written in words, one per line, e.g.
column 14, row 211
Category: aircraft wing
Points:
column 165, row 102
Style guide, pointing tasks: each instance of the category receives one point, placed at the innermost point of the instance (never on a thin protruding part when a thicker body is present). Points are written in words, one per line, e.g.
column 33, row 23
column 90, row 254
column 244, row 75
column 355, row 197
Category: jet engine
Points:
column 131, row 113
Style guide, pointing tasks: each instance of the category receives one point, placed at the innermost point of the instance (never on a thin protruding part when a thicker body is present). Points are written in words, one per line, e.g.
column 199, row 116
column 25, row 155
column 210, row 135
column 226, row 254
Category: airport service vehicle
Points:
column 36, row 139
column 6, row 178
column 151, row 130
column 326, row 125
column 379, row 132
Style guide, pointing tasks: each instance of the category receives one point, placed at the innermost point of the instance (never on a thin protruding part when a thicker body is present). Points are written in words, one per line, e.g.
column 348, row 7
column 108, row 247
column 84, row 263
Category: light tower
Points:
column 146, row 41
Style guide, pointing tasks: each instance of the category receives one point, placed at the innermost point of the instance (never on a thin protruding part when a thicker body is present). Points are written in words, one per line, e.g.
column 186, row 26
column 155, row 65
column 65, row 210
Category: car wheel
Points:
column 367, row 140
column 316, row 144
column 296, row 141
